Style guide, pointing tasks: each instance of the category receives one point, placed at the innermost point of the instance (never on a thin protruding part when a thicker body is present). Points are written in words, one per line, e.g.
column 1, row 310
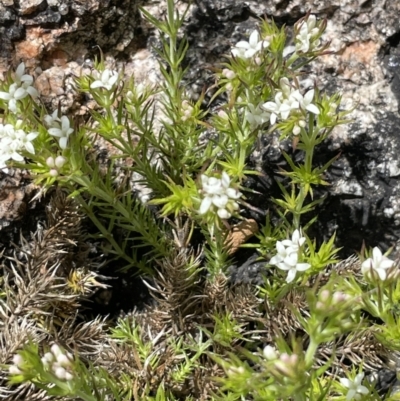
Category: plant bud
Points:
column 324, row 295
column 59, row 161
column 270, row 353
column 56, row 350
column 50, row 162
column 60, row 373
column 18, row 360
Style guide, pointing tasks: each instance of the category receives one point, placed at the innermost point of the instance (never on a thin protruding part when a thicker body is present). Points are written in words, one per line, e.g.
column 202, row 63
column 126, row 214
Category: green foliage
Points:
column 193, row 161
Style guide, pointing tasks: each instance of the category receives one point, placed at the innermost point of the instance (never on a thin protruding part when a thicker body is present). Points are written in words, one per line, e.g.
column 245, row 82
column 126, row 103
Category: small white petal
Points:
column 17, row 157
column 381, row 274
column 105, row 76
column 29, row 147
column 20, row 70
column 96, row 84
column 276, row 259
column 376, row 253
column 55, row 132
column 291, row 275
column 233, row 193
column 288, row 50
column 253, row 40
column 312, row 109
column 63, row 142
column 113, row 80
column 5, row 96
column 242, row 45
column 32, row 91
column 284, row 266
column 20, row 93
column 302, row 266
column 205, row 205
column 225, row 180
column 350, row 394
column 26, row 80
column 346, row 382
column 12, row 105
column 250, row 53
column 309, row 96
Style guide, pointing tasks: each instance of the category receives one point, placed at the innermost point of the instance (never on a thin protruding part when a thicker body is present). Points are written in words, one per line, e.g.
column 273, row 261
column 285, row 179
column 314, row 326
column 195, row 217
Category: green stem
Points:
column 309, row 140
column 310, row 353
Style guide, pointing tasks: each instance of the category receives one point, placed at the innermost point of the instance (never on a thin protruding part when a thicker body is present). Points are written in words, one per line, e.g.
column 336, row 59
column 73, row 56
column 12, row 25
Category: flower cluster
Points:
column 282, row 364
column 217, row 193
column 59, row 127
column 288, row 99
column 21, row 88
column 307, row 31
column 248, row 49
column 187, row 110
column 13, row 140
column 287, row 256
column 329, row 302
column 379, row 265
column 355, row 388
column 17, row 368
column 55, row 164
column 59, row 362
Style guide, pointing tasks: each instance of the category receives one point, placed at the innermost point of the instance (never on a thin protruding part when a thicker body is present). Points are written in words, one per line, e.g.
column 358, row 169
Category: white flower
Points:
column 20, row 76
column 379, row 263
column 282, row 254
column 306, row 32
column 9, row 150
column 296, row 242
column 19, row 89
column 248, row 49
column 25, row 139
column 108, row 79
column 305, row 101
column 62, row 132
column 52, row 121
column 218, row 194
column 288, row 99
column 280, row 107
column 255, row 115
column 355, row 388
column 14, row 93
column 287, row 256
